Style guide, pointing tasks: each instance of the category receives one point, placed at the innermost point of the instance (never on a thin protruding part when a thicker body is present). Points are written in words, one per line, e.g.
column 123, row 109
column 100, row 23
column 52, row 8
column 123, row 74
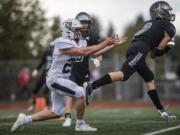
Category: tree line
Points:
column 25, row 31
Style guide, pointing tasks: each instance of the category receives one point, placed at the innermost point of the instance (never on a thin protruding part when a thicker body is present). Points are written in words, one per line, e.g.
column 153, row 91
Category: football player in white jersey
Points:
column 66, row 48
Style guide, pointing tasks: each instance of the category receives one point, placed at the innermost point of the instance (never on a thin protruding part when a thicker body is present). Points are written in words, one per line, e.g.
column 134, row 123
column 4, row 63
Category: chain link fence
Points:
column 134, row 89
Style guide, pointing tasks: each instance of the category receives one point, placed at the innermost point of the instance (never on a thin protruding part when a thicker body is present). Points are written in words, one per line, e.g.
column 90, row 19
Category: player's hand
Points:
column 120, row 40
column 34, row 72
column 115, row 40
column 109, row 41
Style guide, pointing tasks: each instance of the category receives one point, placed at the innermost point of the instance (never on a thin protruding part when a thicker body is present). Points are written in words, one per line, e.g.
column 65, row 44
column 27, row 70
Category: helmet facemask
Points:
column 85, row 20
column 86, row 28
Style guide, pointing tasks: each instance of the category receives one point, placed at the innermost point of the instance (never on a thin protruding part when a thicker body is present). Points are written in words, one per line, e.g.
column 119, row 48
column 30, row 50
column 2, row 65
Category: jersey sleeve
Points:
column 65, row 44
column 169, row 28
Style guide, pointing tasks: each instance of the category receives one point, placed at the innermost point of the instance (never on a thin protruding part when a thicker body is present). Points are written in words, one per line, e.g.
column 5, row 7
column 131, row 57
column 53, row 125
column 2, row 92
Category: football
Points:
column 171, row 43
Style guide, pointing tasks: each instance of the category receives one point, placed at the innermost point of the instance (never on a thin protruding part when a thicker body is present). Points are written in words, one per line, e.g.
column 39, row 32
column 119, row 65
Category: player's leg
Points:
column 80, row 109
column 68, row 88
column 69, row 105
column 148, row 77
column 78, row 79
column 122, row 75
column 56, row 111
column 68, row 109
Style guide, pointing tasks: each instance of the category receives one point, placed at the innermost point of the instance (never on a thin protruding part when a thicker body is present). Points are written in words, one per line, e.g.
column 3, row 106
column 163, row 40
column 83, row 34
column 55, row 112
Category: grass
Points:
column 108, row 121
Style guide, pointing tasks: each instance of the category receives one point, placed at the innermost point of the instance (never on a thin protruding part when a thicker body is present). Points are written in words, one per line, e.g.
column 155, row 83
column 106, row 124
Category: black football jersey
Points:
column 152, row 32
column 81, row 69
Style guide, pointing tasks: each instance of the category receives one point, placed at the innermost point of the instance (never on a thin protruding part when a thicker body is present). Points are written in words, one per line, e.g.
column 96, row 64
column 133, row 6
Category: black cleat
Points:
column 88, row 92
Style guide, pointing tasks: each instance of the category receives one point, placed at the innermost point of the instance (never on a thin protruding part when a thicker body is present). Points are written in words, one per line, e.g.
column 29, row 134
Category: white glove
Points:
column 34, row 72
column 96, row 62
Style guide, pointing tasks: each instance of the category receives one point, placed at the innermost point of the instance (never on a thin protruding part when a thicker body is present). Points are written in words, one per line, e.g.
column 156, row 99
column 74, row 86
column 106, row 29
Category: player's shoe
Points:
column 88, row 92
column 19, row 122
column 67, row 122
column 84, row 127
column 167, row 116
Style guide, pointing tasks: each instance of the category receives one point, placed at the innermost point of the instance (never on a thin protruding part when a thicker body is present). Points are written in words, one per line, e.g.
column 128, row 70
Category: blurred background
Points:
column 28, row 26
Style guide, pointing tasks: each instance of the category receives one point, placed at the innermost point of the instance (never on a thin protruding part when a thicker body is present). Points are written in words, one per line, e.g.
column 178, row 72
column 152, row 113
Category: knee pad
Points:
column 149, row 78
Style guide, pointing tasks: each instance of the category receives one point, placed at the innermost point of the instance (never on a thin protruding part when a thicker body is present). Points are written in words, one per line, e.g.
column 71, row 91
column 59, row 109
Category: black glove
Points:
column 167, row 48
column 157, row 52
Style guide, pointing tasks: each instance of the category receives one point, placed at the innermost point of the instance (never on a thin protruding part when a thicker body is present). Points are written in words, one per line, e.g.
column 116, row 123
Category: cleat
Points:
column 19, row 123
column 84, row 127
column 67, row 122
column 88, row 92
column 167, row 116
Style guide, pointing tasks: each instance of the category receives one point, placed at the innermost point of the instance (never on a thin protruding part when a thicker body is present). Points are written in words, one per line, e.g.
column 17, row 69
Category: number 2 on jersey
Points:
column 67, row 66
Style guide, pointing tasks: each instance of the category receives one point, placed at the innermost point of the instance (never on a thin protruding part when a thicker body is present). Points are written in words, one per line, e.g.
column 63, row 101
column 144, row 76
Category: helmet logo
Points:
column 68, row 25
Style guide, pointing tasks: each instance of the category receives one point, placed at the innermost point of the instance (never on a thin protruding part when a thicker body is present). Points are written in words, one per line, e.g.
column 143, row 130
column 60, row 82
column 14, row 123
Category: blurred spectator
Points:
column 24, row 77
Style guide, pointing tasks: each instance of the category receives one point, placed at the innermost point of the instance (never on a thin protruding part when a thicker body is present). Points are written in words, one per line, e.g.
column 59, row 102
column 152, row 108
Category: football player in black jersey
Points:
column 152, row 37
column 44, row 65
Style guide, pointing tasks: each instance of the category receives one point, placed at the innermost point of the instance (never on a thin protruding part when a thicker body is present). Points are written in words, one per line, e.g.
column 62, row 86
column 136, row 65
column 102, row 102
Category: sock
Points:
column 27, row 119
column 79, row 122
column 155, row 99
column 67, row 115
column 106, row 79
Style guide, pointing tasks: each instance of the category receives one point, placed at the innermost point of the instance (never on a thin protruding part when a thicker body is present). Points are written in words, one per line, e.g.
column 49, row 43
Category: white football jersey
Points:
column 62, row 63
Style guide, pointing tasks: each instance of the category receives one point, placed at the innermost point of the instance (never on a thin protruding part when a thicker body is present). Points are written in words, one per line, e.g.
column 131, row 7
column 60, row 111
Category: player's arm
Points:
column 107, row 48
column 164, row 41
column 88, row 50
column 165, row 45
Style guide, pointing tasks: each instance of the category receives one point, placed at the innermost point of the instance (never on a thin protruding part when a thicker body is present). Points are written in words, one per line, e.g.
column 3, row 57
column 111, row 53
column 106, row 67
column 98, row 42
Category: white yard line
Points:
column 163, row 130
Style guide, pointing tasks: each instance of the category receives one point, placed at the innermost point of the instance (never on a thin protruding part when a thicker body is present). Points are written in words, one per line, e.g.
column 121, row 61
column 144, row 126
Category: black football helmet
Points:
column 85, row 20
column 161, row 10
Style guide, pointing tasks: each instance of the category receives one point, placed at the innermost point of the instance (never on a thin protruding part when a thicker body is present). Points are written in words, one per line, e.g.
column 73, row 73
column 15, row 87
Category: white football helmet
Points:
column 69, row 27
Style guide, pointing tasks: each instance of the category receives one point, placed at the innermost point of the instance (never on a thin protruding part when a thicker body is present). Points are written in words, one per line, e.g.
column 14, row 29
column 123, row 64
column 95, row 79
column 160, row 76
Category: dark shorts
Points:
column 135, row 62
column 79, row 78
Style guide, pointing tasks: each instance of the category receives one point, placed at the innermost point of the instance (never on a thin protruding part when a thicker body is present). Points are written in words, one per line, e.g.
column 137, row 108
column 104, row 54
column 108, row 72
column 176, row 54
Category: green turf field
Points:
column 108, row 122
